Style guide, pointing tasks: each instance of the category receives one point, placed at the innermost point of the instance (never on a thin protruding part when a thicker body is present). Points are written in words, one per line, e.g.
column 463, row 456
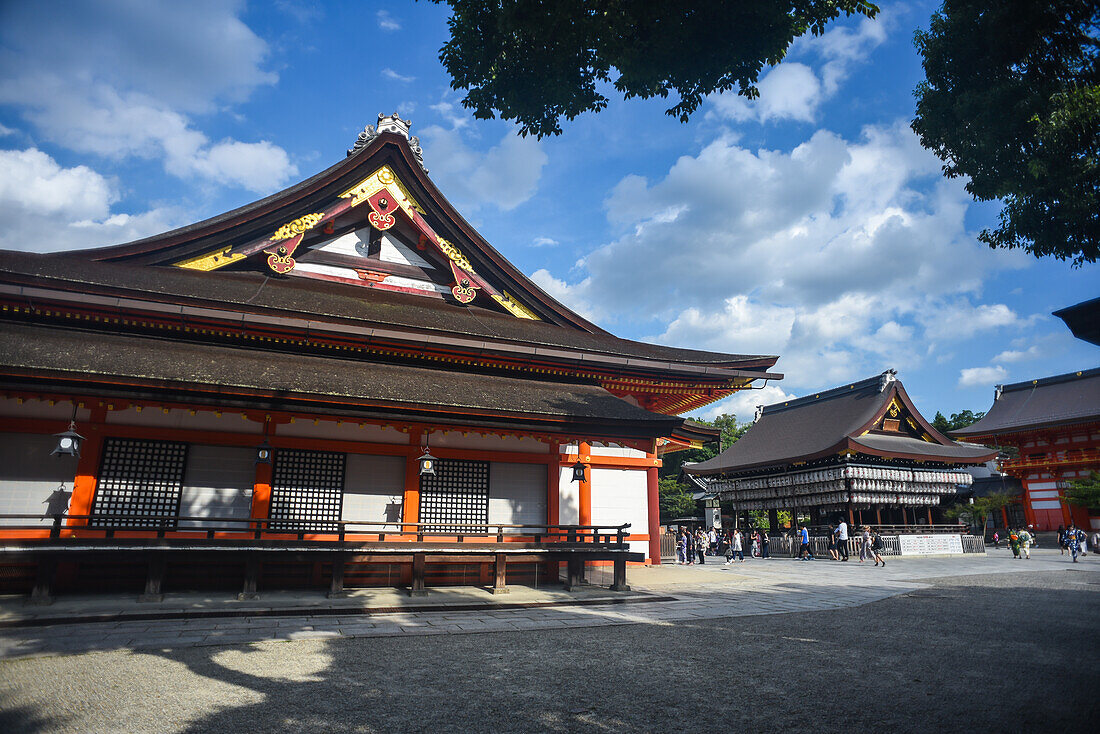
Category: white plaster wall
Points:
column 568, row 497
column 374, row 489
column 217, row 482
column 619, row 496
column 31, row 481
column 517, row 494
column 616, row 450
column 345, row 431
column 486, row 442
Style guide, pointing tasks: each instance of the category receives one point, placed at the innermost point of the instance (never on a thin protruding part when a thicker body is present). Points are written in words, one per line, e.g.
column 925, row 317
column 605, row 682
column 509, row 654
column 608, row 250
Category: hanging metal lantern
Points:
column 427, row 464
column 263, row 453
column 578, row 472
column 68, row 442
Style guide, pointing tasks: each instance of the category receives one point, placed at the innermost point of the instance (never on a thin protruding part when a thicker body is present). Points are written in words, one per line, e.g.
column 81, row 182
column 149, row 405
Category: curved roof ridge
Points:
column 875, row 381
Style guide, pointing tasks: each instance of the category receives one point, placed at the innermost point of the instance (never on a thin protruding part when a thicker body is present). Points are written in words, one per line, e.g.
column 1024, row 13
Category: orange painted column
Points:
column 654, row 516
column 410, row 503
column 584, row 491
column 85, row 481
column 261, row 484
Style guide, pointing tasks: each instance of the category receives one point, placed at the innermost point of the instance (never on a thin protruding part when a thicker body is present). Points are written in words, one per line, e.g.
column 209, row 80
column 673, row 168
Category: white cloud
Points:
column 6, row 131
column 387, row 22
column 567, row 294
column 979, row 376
column 793, row 90
column 122, row 80
column 505, row 176
column 743, row 404
column 544, row 242
column 845, row 257
column 1011, row 355
column 46, row 207
column 389, row 73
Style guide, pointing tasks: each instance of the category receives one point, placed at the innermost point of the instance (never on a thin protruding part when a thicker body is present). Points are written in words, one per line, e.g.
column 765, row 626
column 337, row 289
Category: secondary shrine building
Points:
column 294, row 360
column 861, row 451
column 1053, row 427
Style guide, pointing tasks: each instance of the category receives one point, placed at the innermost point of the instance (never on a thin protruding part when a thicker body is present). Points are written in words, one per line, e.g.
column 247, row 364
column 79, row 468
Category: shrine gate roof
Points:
column 1044, row 403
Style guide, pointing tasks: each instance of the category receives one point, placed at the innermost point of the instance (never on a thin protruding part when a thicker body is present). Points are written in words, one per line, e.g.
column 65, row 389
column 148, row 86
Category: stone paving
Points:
column 714, row 590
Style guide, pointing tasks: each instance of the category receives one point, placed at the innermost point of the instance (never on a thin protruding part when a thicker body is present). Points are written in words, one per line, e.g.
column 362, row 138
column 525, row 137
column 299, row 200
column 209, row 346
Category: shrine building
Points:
column 345, row 359
column 1053, row 425
column 861, row 451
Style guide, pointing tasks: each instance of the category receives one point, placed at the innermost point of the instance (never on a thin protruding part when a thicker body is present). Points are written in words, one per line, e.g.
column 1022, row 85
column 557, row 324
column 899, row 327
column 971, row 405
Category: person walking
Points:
column 1025, row 543
column 865, row 553
column 832, row 542
column 1073, row 542
column 876, row 547
column 804, row 553
column 682, row 548
column 736, row 547
column 996, row 539
column 1061, row 540
column 842, row 539
column 764, row 544
column 756, row 544
column 1014, row 543
column 701, row 546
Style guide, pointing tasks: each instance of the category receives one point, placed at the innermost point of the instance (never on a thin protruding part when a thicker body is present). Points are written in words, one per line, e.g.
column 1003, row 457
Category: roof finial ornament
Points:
column 886, row 378
column 759, row 412
column 389, row 124
column 997, row 390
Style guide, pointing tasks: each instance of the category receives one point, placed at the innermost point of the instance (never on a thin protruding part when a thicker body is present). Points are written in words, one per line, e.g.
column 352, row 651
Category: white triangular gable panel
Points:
column 357, row 243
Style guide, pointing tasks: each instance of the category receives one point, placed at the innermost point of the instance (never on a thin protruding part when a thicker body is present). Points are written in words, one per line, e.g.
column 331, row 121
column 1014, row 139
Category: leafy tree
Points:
column 1084, row 492
column 957, row 421
column 536, row 61
column 675, row 500
column 730, row 432
column 1011, row 101
column 981, row 509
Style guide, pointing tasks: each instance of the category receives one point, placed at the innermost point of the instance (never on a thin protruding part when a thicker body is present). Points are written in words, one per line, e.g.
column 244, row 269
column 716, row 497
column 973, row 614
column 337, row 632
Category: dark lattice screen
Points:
column 138, row 477
column 307, row 488
column 458, row 494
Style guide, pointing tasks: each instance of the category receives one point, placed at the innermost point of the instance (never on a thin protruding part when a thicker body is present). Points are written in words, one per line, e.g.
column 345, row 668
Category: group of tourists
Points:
column 694, row 547
column 869, row 548
column 1075, row 541
column 1072, row 540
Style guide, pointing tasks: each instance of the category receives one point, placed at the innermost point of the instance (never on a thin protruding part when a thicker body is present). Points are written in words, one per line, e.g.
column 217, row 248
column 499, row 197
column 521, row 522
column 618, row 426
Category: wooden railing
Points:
column 135, row 526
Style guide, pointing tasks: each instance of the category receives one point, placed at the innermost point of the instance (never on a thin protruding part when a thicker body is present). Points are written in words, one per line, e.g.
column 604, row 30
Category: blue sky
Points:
column 808, row 224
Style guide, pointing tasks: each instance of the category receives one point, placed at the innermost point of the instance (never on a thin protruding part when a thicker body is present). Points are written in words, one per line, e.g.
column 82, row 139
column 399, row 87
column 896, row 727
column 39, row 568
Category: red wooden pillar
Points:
column 1004, row 515
column 410, row 502
column 87, row 466
column 654, row 516
column 584, row 491
column 261, row 483
column 929, row 515
column 878, row 514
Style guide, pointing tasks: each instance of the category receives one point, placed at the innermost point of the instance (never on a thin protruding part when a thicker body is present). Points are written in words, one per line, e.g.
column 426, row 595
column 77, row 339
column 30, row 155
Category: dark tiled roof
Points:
column 829, row 422
column 52, row 356
column 307, row 298
column 1083, row 319
column 906, row 446
column 1051, row 401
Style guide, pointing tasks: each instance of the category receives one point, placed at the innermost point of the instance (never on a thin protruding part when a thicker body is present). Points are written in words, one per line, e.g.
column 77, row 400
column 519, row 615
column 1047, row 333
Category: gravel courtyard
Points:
column 993, row 652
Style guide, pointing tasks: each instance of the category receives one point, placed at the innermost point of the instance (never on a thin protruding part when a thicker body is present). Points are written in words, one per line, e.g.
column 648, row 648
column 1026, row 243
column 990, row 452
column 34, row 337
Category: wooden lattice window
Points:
column 307, row 490
column 138, row 478
column 458, row 494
